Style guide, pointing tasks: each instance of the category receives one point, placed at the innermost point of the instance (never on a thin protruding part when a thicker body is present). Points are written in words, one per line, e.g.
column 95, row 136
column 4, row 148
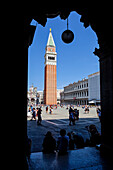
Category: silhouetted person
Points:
column 63, row 142
column 39, row 116
column 49, row 143
column 78, row 140
column 95, row 137
column 71, row 142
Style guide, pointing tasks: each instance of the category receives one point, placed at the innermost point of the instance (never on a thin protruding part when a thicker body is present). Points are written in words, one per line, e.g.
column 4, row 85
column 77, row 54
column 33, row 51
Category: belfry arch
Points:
column 99, row 20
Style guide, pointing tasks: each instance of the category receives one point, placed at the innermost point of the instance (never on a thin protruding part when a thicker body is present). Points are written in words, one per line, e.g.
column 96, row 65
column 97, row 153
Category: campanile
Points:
column 50, row 81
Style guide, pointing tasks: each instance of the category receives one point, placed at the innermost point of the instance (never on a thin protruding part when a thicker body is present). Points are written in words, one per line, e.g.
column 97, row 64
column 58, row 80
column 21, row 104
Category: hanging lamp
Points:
column 67, row 35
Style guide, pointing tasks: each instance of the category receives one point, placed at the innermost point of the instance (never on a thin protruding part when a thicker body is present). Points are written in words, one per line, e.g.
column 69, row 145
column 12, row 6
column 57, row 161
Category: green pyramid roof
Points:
column 50, row 41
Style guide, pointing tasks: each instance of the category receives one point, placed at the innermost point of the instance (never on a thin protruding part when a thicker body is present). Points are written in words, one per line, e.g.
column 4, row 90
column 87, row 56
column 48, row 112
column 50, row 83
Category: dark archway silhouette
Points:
column 99, row 20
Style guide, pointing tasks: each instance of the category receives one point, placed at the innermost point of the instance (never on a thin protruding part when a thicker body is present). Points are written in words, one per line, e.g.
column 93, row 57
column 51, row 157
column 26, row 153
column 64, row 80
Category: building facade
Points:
column 33, row 96
column 58, row 95
column 37, row 97
column 50, row 79
column 41, row 98
column 86, row 91
column 76, row 93
column 94, row 88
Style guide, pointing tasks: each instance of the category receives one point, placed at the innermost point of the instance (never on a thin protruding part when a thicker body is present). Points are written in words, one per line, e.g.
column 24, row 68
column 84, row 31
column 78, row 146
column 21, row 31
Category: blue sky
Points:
column 75, row 61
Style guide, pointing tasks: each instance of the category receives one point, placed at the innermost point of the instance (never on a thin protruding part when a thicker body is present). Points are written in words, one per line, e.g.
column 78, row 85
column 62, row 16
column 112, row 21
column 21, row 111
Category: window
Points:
column 51, row 58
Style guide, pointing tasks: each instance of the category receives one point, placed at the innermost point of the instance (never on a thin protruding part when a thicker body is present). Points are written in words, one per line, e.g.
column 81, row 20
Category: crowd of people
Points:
column 70, row 141
column 73, row 113
column 50, row 109
column 36, row 113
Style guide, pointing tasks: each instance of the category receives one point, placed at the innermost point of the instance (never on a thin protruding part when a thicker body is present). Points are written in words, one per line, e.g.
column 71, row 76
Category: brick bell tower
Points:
column 50, row 81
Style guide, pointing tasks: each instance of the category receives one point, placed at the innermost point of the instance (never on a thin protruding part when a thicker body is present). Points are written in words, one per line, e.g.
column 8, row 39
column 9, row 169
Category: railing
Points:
column 76, row 90
column 75, row 98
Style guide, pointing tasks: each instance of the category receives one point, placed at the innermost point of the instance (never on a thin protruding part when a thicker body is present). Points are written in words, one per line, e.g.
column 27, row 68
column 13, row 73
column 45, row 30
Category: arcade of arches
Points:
column 100, row 21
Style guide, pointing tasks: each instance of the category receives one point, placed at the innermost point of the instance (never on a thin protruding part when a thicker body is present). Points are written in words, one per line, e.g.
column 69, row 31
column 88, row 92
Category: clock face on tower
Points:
column 51, row 49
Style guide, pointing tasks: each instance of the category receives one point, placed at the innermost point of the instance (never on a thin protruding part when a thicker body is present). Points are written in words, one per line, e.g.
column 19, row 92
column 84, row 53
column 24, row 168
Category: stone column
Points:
column 28, row 37
column 106, row 87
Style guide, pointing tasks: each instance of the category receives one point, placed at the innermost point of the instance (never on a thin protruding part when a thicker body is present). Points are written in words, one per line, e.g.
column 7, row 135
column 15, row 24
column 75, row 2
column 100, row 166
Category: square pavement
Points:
column 58, row 120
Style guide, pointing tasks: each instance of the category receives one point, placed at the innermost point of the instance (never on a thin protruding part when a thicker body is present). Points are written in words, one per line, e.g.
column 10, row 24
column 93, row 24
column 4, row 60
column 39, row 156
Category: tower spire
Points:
column 50, row 79
column 50, row 41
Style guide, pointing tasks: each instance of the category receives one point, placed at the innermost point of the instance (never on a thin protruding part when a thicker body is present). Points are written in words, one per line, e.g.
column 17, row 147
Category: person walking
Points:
column 33, row 114
column 39, row 116
column 99, row 114
column 50, row 111
column 46, row 109
column 71, row 116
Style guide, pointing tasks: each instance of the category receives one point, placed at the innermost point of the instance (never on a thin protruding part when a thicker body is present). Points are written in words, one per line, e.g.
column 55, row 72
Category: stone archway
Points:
column 98, row 20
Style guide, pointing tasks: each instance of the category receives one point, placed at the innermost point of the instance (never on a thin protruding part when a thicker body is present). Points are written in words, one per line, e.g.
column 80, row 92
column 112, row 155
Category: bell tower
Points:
column 50, row 81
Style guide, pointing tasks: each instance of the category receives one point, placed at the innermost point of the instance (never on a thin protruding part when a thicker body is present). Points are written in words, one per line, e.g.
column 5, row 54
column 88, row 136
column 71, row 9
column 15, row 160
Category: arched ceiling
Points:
column 98, row 17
